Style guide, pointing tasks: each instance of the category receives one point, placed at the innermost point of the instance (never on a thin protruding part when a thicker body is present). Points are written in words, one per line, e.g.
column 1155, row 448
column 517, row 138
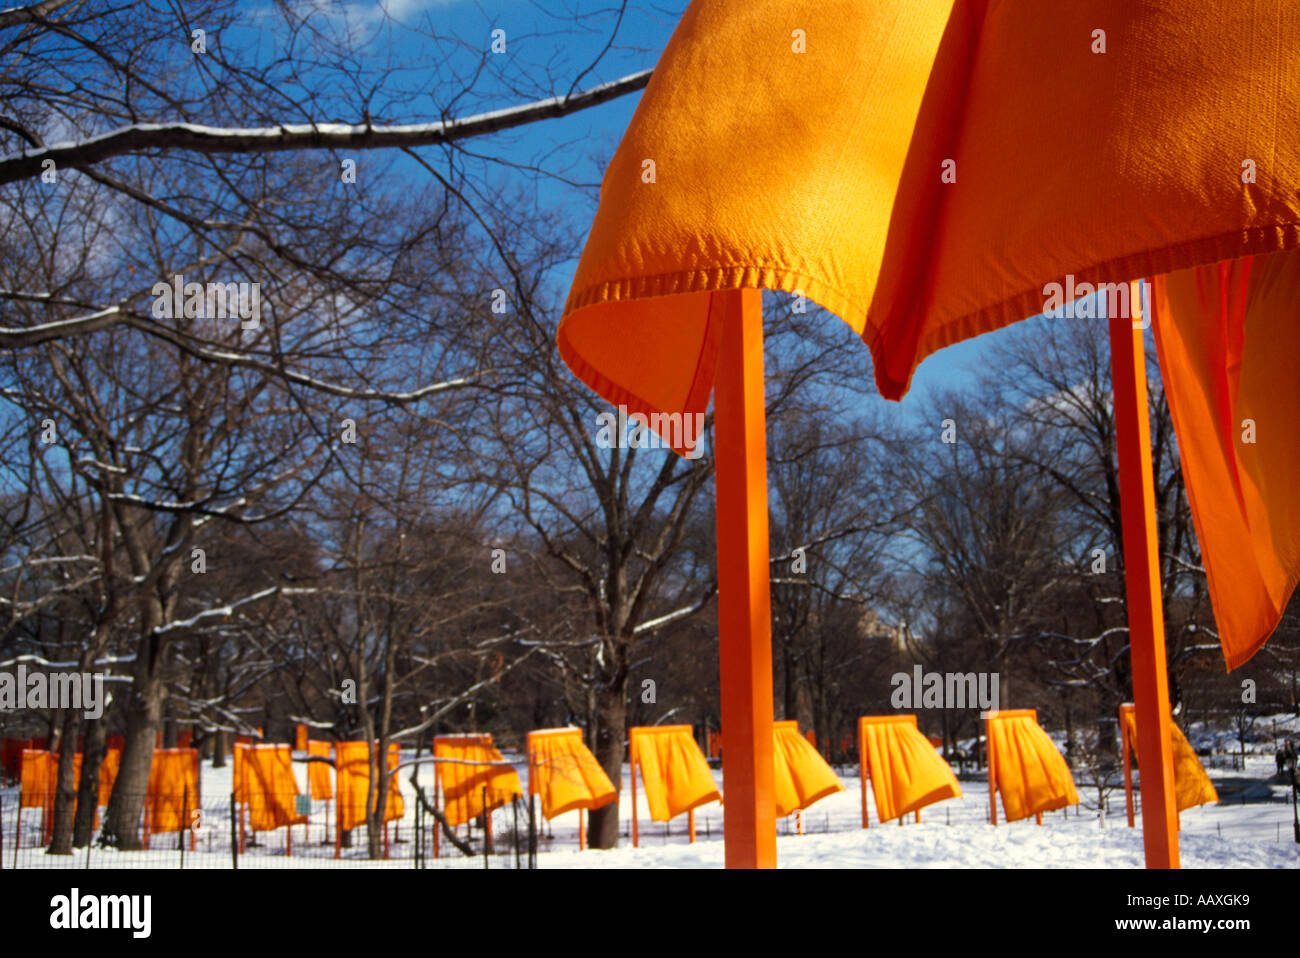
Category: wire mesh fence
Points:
column 271, row 830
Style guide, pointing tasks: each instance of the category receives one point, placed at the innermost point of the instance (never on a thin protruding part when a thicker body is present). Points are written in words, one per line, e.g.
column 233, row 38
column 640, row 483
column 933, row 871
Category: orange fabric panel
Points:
column 37, row 774
column 1029, row 772
column 352, row 772
column 108, row 773
column 673, row 770
column 906, row 772
column 463, row 781
column 318, row 773
column 564, row 772
column 799, row 775
column 300, row 738
column 173, row 789
column 1228, row 357
column 269, row 787
column 852, row 210
column 1192, row 786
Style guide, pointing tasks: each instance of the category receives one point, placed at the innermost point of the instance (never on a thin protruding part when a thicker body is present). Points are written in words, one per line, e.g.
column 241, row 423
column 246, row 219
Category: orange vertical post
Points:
column 862, row 772
column 1128, row 768
column 582, row 832
column 989, row 759
column 690, row 824
column 744, row 604
column 1142, row 585
column 631, row 754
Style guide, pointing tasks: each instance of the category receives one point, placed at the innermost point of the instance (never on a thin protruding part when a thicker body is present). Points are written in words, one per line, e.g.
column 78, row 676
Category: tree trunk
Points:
column 65, row 793
column 611, row 736
column 83, row 830
column 144, row 714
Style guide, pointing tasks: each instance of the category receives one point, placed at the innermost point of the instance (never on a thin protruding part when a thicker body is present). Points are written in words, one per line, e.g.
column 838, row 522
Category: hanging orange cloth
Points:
column 564, row 772
column 760, row 156
column 318, row 773
column 352, row 766
column 1228, row 357
column 910, row 222
column 38, row 771
column 906, row 772
column 463, row 778
column 673, row 770
column 108, row 773
column 173, row 792
column 269, row 787
column 1192, row 785
column 799, row 775
column 1029, row 772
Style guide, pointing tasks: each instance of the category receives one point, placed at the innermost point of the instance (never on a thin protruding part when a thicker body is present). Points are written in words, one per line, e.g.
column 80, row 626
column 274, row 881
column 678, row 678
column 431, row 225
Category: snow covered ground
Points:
column 953, row 834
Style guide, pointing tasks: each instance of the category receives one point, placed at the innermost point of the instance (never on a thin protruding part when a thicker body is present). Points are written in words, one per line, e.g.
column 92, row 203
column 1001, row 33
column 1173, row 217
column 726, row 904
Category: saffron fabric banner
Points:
column 913, row 223
column 564, row 772
column 1192, row 786
column 906, row 772
column 269, row 787
column 352, row 773
column 1229, row 353
column 464, row 779
column 799, row 775
column 673, row 770
column 173, row 794
column 318, row 773
column 1029, row 772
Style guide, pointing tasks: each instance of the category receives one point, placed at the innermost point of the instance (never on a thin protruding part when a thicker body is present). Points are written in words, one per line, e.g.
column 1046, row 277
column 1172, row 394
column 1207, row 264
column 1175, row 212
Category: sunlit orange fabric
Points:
column 564, row 772
column 1229, row 356
column 38, row 771
column 352, row 772
column 800, row 776
column 464, row 782
column 673, row 770
column 173, row 789
column 1192, row 786
column 269, row 787
column 820, row 172
column 1029, row 772
column 906, row 772
column 318, row 773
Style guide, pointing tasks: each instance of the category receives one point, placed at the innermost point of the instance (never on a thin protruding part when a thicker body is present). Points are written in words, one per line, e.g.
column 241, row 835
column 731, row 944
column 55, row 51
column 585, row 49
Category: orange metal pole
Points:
column 988, row 755
column 582, row 832
column 1128, row 768
column 690, row 824
column 744, row 601
column 631, row 752
column 862, row 771
column 1142, row 584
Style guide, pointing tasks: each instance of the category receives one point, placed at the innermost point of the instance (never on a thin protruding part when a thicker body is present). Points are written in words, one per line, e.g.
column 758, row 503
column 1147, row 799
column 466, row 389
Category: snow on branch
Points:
column 303, row 136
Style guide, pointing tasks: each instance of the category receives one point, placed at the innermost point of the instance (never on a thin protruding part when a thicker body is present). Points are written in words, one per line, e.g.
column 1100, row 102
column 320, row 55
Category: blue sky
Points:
column 547, row 50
